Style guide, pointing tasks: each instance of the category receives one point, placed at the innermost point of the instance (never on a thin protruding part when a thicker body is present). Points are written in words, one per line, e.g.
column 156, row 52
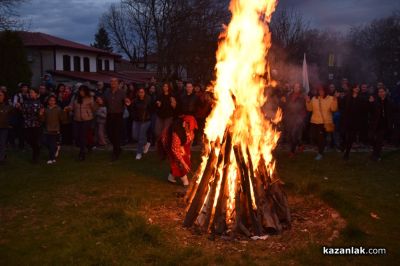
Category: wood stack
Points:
column 270, row 215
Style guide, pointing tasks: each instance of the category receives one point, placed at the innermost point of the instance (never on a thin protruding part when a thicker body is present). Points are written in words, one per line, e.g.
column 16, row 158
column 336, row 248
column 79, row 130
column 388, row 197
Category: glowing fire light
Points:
column 239, row 90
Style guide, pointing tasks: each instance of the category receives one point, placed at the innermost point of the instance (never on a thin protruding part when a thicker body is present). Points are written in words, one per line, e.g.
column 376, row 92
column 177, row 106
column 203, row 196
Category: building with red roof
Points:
column 72, row 62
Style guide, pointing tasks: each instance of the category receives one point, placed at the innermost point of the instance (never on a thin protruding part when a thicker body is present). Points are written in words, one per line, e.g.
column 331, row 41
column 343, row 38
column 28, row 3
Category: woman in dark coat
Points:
column 354, row 106
column 140, row 112
column 165, row 107
column 381, row 121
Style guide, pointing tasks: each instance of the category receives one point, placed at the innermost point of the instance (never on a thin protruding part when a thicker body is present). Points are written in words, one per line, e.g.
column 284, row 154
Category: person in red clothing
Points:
column 175, row 143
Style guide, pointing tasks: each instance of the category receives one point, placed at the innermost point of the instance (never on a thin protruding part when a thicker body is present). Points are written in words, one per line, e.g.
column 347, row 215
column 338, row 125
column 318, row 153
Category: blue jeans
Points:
column 139, row 133
column 51, row 141
column 3, row 143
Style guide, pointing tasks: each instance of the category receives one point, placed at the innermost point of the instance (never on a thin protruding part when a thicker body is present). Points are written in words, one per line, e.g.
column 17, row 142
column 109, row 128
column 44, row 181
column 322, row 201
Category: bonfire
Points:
column 235, row 189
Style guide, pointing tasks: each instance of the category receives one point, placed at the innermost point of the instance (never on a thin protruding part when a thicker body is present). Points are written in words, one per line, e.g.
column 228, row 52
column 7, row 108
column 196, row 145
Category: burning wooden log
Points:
column 244, row 174
column 235, row 190
column 260, row 204
column 219, row 221
column 201, row 190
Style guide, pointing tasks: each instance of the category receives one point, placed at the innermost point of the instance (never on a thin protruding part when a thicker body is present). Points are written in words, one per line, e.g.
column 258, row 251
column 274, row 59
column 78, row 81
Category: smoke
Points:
column 291, row 73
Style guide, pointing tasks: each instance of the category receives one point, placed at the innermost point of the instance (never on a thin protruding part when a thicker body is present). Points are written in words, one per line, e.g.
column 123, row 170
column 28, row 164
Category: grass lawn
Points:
column 93, row 212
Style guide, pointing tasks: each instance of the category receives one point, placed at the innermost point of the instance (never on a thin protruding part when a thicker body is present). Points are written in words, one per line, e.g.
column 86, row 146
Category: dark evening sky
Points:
column 77, row 20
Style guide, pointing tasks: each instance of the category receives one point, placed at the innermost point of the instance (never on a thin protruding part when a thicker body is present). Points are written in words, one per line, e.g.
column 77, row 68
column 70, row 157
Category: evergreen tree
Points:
column 102, row 41
column 14, row 66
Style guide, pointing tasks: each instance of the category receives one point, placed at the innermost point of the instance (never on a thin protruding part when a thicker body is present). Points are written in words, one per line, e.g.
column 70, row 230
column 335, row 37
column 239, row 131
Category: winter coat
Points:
column 188, row 104
column 165, row 110
column 354, row 108
column 140, row 109
column 84, row 111
column 115, row 101
column 53, row 117
column 31, row 113
column 381, row 114
column 322, row 109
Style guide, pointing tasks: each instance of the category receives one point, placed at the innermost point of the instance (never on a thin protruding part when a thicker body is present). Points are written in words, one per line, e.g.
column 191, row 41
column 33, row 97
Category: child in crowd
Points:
column 101, row 118
column 53, row 117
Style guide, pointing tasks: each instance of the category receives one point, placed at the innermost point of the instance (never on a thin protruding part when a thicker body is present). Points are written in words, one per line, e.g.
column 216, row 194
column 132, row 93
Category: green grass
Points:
column 91, row 213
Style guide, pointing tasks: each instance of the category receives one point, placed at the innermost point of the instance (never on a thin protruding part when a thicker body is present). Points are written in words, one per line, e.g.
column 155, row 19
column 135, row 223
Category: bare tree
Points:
column 182, row 34
column 120, row 30
column 375, row 50
column 138, row 12
column 8, row 14
column 288, row 28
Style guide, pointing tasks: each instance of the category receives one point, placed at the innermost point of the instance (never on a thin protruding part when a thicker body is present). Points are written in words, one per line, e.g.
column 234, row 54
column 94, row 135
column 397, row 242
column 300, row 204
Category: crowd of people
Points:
column 337, row 118
column 173, row 116
column 93, row 117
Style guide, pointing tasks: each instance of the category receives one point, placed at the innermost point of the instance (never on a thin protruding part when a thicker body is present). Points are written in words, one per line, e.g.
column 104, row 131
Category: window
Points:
column 66, row 63
column 77, row 63
column 99, row 65
column 107, row 65
column 86, row 64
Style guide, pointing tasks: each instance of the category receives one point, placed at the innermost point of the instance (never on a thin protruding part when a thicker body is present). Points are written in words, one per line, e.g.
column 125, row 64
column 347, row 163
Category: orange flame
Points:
column 239, row 90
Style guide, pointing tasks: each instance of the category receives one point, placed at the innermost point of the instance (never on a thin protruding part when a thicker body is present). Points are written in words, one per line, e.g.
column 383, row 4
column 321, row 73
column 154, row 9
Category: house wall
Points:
column 110, row 59
column 40, row 61
column 60, row 63
column 33, row 57
column 92, row 59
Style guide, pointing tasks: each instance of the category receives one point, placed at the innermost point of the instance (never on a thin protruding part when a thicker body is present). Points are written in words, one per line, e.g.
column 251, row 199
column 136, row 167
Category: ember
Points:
column 236, row 189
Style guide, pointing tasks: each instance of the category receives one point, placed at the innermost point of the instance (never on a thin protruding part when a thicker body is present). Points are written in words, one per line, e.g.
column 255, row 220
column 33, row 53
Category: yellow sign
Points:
column 331, row 62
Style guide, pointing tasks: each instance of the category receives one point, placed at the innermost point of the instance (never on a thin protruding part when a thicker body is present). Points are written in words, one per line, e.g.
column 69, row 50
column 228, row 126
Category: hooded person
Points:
column 175, row 143
column 49, row 82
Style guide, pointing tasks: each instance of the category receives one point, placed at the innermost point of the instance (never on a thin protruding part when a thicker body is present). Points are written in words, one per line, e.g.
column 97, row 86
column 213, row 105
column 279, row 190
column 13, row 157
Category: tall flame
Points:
column 241, row 65
column 239, row 90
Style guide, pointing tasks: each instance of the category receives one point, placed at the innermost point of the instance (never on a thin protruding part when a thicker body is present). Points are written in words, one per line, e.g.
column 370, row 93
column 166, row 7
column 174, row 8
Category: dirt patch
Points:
column 313, row 222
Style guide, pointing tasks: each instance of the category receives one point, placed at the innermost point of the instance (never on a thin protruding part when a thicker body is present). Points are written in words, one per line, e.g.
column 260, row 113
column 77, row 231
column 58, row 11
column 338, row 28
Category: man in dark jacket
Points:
column 178, row 89
column 115, row 100
column 381, row 121
column 188, row 101
column 354, row 106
